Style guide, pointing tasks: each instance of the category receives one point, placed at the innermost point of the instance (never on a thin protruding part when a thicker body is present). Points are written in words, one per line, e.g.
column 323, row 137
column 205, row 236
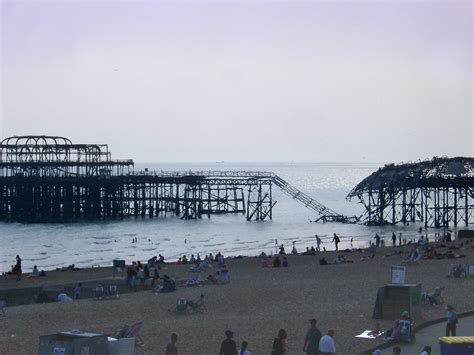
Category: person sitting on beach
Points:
column 35, row 272
column 285, row 262
column 294, row 251
column 402, row 329
column 169, row 284
column 179, row 262
column 266, row 262
column 341, row 259
column 63, row 297
column 276, row 261
column 192, row 259
column 184, row 260
column 161, row 259
column 211, row 258
column 212, row 279
column 224, row 274
column 221, row 260
column 198, row 259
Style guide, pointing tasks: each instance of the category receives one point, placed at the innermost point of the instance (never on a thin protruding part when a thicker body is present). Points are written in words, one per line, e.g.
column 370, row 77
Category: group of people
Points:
column 218, row 258
column 314, row 343
column 137, row 273
column 16, row 269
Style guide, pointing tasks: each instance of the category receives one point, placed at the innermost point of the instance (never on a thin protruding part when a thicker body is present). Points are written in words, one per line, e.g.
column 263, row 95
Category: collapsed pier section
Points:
column 437, row 193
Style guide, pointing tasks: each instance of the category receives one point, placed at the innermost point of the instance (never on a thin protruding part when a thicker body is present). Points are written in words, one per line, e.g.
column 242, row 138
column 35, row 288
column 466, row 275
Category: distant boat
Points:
column 220, row 162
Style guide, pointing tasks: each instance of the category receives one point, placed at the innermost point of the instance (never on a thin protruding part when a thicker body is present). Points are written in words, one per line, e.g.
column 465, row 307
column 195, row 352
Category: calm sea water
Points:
column 86, row 244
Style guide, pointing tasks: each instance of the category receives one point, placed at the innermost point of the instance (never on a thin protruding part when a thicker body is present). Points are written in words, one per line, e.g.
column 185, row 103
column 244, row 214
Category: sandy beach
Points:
column 255, row 305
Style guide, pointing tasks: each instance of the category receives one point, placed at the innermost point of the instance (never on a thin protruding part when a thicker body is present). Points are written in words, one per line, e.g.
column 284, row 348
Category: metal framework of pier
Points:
column 437, row 192
column 50, row 179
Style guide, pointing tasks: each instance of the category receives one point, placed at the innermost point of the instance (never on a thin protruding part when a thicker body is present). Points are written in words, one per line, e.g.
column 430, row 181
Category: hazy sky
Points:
column 242, row 80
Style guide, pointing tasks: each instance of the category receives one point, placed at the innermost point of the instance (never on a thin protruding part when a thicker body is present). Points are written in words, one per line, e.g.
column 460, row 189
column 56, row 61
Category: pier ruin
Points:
column 437, row 193
column 51, row 179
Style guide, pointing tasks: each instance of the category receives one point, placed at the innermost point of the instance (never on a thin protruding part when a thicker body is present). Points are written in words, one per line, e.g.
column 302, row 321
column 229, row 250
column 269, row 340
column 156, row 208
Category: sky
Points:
column 242, row 81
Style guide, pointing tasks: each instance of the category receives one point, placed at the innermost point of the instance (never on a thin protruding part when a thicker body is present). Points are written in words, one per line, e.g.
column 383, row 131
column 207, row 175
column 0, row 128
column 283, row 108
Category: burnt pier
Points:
column 51, row 179
column 437, row 193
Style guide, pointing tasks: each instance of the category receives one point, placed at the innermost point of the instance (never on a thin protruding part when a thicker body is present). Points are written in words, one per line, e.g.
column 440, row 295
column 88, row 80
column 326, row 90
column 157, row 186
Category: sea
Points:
column 91, row 244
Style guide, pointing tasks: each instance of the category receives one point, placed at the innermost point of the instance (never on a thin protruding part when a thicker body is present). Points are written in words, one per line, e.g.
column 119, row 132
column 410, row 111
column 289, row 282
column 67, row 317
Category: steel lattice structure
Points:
column 50, row 179
column 437, row 192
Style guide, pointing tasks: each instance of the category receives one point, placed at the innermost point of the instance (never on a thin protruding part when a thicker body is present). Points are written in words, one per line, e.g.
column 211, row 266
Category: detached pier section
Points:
column 438, row 193
column 50, row 179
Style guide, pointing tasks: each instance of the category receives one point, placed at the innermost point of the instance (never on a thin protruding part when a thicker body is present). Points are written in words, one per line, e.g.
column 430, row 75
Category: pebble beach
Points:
column 255, row 304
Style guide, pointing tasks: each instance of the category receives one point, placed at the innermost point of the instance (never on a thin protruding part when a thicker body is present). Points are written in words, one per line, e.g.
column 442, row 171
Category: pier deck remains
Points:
column 50, row 179
column 437, row 193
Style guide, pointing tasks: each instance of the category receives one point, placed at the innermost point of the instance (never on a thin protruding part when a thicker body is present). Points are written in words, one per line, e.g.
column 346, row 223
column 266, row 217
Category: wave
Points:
column 37, row 259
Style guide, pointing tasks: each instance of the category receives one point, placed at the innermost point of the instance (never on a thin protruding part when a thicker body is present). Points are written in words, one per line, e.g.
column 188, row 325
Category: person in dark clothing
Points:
column 394, row 239
column 228, row 346
column 276, row 262
column 377, row 240
column 18, row 268
column 336, row 240
column 313, row 336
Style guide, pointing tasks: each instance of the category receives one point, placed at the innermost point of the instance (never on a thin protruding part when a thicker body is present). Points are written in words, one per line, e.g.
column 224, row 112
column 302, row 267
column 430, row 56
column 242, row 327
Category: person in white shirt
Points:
column 327, row 346
column 62, row 297
column 426, row 350
column 243, row 350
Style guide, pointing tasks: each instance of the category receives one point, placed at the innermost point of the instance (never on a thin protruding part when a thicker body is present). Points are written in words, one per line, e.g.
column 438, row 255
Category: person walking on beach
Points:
column 313, row 336
column 400, row 239
column 452, row 321
column 336, row 240
column 280, row 343
column 171, row 348
column 327, row 345
column 228, row 346
column 394, row 239
column 377, row 240
column 318, row 242
column 18, row 268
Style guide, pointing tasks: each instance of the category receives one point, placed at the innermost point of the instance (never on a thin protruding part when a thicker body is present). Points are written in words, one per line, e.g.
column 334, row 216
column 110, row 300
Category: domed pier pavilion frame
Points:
column 50, row 179
column 437, row 192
